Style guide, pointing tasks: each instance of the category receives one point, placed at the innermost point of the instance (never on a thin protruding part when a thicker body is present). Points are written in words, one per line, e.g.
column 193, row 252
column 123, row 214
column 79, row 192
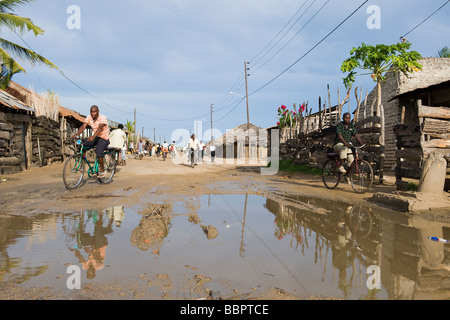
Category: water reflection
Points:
column 355, row 237
column 292, row 242
column 87, row 239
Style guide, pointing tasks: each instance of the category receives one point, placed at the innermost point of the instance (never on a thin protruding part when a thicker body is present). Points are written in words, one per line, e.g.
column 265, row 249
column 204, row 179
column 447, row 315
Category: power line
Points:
column 315, row 46
column 425, row 19
column 320, row 9
column 241, row 77
column 103, row 102
column 281, row 31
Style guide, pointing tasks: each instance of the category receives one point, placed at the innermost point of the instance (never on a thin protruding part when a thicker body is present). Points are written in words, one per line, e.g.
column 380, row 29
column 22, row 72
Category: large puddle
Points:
column 302, row 245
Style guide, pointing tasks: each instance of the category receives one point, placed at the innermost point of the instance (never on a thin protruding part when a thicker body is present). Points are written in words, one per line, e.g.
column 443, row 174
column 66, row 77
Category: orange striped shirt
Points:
column 104, row 134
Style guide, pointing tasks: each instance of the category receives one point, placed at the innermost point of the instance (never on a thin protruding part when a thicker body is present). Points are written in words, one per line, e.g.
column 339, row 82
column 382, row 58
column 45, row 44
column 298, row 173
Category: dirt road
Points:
column 151, row 180
column 42, row 190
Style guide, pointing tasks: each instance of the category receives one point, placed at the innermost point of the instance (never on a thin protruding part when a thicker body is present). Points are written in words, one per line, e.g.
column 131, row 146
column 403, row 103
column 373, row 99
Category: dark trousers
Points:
column 101, row 145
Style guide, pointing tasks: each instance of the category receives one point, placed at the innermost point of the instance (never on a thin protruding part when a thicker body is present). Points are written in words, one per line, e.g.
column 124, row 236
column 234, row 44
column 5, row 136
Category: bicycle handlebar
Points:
column 352, row 146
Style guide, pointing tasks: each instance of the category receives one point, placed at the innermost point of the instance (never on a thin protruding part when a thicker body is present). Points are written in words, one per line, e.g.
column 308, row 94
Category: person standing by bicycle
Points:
column 345, row 131
column 100, row 139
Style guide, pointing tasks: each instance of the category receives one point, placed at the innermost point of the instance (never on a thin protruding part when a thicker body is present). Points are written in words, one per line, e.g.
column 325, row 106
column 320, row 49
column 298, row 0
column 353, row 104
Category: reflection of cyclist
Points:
column 100, row 138
column 94, row 245
column 345, row 130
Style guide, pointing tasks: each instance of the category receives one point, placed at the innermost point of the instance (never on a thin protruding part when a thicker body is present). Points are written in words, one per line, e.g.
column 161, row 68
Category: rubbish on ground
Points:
column 436, row 239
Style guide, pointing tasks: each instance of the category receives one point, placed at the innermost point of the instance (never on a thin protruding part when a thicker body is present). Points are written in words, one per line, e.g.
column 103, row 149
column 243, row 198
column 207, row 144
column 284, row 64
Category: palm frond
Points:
column 444, row 52
column 7, row 72
column 10, row 5
column 8, row 61
column 15, row 22
column 24, row 54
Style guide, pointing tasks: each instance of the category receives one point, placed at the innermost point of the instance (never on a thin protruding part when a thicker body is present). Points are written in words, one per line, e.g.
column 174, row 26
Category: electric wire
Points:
column 309, row 51
column 293, row 37
column 256, row 62
column 404, row 36
column 287, row 23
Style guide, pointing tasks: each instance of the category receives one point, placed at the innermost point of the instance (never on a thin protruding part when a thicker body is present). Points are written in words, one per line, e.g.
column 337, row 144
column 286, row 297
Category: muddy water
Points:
column 241, row 242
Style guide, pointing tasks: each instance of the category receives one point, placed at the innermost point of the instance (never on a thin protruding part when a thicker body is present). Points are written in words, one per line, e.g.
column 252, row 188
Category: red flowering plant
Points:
column 288, row 118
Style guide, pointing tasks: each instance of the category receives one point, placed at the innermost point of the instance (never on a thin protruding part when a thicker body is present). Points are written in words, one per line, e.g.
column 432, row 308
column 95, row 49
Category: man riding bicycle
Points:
column 193, row 146
column 345, row 131
column 100, row 139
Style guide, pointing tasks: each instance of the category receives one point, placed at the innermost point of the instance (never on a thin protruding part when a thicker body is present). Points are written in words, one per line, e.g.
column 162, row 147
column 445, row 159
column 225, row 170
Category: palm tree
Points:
column 444, row 52
column 130, row 125
column 10, row 51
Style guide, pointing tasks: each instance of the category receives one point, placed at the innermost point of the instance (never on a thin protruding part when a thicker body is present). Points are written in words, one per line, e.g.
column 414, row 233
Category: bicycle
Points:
column 75, row 166
column 115, row 152
column 192, row 157
column 359, row 174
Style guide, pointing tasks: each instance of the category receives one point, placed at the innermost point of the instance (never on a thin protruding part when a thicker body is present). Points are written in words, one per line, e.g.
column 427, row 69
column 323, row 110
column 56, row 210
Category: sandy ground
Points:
column 151, row 179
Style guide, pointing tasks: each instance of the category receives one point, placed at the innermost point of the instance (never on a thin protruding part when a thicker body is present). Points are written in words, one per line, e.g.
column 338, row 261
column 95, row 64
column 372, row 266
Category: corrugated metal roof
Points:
column 70, row 113
column 11, row 102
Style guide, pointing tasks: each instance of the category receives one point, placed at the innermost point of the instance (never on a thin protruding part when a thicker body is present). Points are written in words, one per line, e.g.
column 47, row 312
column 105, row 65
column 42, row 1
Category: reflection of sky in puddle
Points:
column 260, row 242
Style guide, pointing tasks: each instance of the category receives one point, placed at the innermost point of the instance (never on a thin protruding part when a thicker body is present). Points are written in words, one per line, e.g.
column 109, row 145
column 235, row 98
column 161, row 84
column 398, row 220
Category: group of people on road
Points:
column 199, row 148
column 102, row 139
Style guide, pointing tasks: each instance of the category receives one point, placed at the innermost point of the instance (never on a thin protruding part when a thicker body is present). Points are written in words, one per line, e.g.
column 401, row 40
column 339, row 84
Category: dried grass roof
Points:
column 435, row 71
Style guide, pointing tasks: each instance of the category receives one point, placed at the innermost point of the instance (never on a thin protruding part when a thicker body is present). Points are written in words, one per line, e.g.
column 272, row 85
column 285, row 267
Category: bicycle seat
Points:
column 332, row 155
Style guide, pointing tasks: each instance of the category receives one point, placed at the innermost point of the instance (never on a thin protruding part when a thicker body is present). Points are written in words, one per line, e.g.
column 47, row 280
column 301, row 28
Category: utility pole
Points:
column 211, row 122
column 134, row 125
column 246, row 91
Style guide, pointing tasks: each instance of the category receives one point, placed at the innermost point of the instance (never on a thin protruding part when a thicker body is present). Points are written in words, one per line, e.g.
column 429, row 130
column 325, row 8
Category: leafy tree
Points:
column 444, row 52
column 380, row 60
column 9, row 51
column 130, row 127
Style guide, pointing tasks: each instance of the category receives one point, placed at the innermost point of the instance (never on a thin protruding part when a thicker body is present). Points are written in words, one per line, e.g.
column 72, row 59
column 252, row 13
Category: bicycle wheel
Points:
column 110, row 168
column 361, row 176
column 361, row 221
column 330, row 174
column 73, row 171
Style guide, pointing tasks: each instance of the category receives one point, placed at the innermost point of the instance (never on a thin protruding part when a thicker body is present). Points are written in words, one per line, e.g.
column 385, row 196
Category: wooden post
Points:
column 358, row 104
column 365, row 104
column 402, row 117
column 62, row 130
column 320, row 113
column 382, row 143
column 339, row 107
column 329, row 103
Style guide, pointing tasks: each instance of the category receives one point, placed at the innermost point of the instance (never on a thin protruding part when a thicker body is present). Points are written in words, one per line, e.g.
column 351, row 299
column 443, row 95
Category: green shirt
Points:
column 347, row 133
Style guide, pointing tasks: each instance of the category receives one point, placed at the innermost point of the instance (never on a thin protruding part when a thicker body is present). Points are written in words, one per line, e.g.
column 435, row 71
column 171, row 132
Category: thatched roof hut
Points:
column 239, row 140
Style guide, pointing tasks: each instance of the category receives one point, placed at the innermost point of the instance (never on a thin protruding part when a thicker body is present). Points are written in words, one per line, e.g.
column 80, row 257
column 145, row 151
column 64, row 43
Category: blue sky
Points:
column 171, row 59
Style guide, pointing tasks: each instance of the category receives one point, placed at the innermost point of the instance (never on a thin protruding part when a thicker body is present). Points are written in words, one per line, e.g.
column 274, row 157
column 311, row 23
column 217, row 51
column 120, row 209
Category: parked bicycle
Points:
column 359, row 173
column 75, row 166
